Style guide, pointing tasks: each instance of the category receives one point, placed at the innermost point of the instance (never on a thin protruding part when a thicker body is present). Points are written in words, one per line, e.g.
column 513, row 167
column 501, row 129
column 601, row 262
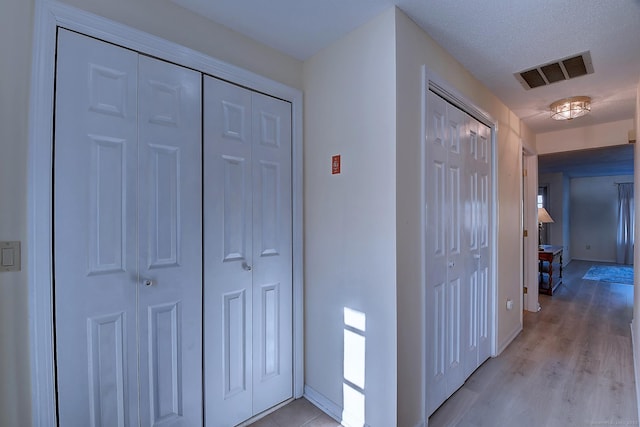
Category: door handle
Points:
column 476, row 256
column 451, row 264
column 148, row 282
column 246, row 266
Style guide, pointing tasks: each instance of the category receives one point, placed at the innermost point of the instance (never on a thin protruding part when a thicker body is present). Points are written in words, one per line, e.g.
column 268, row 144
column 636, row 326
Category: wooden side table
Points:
column 549, row 268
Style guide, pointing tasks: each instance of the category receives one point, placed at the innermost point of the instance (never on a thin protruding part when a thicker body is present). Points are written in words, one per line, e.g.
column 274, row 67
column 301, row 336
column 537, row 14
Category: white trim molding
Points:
column 530, row 243
column 503, row 346
column 323, row 403
column 636, row 367
column 49, row 15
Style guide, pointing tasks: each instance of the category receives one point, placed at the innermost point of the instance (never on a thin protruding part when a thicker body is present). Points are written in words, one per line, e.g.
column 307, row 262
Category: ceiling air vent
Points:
column 557, row 71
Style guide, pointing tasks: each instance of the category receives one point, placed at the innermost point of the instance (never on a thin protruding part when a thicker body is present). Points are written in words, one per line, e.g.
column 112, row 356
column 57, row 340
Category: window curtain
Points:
column 626, row 224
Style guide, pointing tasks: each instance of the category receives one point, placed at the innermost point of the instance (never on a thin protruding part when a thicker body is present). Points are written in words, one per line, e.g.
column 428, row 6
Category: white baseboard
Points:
column 508, row 341
column 325, row 405
column 636, row 368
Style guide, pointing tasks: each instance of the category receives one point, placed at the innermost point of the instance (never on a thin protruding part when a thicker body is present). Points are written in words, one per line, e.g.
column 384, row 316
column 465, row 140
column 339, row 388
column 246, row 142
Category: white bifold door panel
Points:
column 170, row 244
column 127, row 238
column 457, row 249
column 247, row 253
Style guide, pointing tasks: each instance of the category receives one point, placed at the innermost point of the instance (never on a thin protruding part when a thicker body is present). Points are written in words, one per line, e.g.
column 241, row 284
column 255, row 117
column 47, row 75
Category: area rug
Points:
column 611, row 273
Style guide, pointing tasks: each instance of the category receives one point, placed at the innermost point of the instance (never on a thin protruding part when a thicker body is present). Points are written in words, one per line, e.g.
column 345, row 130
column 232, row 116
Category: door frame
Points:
column 434, row 83
column 49, row 15
column 530, row 223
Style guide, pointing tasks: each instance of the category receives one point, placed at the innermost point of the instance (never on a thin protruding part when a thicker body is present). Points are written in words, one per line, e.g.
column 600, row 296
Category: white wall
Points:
column 410, row 293
column 415, row 48
column 159, row 17
column 16, row 22
column 594, row 217
column 350, row 219
column 602, row 135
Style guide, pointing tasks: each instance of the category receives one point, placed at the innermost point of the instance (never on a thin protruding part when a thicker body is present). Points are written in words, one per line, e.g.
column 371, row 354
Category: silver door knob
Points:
column 148, row 282
column 246, row 266
column 476, row 256
column 451, row 264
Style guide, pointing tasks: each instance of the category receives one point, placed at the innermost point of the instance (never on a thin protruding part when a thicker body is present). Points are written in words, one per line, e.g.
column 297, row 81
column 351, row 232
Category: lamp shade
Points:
column 543, row 216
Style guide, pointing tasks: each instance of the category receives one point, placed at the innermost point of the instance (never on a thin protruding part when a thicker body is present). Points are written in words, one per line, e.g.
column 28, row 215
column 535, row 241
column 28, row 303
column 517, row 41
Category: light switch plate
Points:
column 10, row 256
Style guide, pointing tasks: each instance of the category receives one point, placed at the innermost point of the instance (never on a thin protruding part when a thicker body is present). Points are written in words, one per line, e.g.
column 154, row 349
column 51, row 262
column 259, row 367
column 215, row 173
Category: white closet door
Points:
column 472, row 229
column 457, row 179
column 170, row 244
column 248, row 253
column 228, row 253
column 272, row 253
column 127, row 211
column 457, row 284
column 444, row 263
column 478, row 175
column 95, row 233
column 435, row 250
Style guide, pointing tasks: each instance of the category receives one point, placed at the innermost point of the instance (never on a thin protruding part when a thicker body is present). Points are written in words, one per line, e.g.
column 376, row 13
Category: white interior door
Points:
column 457, row 177
column 444, row 262
column 272, row 253
column 170, row 244
column 481, row 165
column 248, row 283
column 228, row 254
column 126, row 211
column 95, row 233
column 478, row 175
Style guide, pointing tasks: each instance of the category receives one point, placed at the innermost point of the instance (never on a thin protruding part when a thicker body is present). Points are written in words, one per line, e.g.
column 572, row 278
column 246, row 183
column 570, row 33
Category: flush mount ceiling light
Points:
column 570, row 108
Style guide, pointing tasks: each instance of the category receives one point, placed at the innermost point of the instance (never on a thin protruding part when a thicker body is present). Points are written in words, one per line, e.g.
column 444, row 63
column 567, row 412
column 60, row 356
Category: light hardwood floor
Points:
column 571, row 366
column 299, row 413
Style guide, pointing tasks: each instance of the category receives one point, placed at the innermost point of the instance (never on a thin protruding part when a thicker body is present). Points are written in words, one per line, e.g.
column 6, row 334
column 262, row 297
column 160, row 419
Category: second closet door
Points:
column 248, row 252
column 458, row 248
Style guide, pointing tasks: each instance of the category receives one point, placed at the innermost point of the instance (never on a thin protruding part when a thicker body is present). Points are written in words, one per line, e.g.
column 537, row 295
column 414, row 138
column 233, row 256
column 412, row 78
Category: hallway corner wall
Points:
column 16, row 27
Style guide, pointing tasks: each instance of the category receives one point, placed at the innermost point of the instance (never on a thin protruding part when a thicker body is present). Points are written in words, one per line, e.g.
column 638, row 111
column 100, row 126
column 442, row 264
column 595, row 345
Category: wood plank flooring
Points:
column 299, row 413
column 571, row 366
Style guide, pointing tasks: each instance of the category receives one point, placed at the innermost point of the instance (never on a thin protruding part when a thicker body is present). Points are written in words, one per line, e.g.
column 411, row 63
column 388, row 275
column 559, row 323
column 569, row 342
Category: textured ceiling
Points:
column 493, row 39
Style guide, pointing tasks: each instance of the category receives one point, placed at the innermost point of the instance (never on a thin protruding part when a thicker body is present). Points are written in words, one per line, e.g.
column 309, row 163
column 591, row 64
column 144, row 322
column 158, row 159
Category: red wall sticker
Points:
column 335, row 164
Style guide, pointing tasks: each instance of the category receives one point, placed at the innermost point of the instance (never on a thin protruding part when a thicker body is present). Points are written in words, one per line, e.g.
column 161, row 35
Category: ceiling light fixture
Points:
column 570, row 108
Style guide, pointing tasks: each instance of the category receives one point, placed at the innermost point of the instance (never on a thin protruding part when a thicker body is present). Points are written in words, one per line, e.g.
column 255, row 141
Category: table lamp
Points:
column 543, row 218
